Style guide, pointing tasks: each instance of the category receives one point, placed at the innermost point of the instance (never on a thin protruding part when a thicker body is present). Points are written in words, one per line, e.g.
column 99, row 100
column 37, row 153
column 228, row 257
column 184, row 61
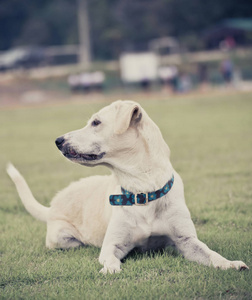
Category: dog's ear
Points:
column 127, row 115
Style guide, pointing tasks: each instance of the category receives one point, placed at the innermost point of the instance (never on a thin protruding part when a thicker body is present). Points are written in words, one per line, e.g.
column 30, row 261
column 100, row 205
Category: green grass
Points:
column 211, row 145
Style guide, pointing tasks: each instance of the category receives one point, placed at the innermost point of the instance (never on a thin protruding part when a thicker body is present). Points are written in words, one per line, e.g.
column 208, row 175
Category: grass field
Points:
column 211, row 145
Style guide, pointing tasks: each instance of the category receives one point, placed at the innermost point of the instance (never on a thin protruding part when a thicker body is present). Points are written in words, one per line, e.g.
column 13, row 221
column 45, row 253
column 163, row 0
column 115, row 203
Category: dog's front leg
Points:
column 117, row 243
column 187, row 243
column 195, row 250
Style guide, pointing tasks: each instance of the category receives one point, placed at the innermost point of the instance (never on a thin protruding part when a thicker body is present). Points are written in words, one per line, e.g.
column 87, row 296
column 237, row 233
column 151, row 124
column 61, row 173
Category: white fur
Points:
column 128, row 142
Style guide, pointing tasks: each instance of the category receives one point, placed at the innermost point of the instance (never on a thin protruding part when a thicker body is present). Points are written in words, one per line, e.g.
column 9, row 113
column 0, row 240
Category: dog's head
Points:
column 121, row 133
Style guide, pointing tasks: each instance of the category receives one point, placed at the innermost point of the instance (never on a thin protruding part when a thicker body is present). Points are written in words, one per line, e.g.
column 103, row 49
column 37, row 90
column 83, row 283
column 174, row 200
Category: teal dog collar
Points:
column 128, row 198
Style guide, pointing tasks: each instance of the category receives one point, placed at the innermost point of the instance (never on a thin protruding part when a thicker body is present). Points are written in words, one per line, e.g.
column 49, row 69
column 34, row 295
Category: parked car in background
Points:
column 24, row 58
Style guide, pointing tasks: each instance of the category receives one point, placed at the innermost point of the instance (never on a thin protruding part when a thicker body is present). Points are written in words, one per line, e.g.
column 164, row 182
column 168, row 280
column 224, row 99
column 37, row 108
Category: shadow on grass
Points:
column 88, row 251
column 138, row 254
column 135, row 254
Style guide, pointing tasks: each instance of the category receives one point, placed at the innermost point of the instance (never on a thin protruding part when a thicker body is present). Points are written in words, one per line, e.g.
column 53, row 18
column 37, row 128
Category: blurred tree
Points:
column 40, row 22
column 115, row 25
column 106, row 31
column 13, row 13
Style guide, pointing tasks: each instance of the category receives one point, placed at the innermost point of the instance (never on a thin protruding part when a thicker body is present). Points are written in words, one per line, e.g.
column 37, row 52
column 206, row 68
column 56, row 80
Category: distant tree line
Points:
column 115, row 25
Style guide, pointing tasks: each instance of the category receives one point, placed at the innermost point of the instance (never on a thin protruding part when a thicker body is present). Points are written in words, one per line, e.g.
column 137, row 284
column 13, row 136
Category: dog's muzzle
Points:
column 69, row 152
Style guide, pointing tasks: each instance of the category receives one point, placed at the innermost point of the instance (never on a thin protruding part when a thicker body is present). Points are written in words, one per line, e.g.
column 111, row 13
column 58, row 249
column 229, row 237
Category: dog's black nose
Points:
column 59, row 142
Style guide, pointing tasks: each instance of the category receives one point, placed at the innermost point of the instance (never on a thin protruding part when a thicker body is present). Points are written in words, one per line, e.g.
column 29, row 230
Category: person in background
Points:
column 226, row 69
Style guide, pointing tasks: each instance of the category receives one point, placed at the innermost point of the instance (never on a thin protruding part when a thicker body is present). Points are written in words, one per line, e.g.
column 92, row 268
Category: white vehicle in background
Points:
column 23, row 57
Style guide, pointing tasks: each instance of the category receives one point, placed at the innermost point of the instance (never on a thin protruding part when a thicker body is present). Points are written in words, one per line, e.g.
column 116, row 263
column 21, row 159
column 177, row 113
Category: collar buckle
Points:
column 146, row 201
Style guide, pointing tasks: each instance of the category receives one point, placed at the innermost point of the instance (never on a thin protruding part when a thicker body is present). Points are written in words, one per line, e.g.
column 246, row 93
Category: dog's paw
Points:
column 220, row 262
column 238, row 265
column 111, row 266
column 112, row 270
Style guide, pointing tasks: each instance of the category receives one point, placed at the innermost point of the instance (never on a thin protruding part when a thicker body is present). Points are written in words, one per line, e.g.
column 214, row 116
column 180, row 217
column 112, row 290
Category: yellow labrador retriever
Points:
column 140, row 205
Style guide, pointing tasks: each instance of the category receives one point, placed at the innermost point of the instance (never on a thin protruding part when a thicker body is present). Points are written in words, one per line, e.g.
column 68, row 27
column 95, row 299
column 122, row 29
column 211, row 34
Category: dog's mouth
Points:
column 70, row 153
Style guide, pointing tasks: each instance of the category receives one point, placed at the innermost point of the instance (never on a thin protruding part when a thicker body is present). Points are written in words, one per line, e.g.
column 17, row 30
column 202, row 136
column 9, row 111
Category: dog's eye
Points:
column 96, row 123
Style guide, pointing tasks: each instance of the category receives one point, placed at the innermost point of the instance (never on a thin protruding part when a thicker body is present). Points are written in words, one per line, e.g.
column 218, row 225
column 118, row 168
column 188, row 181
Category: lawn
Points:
column 210, row 138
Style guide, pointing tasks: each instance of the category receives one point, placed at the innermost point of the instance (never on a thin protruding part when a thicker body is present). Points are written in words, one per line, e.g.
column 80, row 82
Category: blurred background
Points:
column 63, row 49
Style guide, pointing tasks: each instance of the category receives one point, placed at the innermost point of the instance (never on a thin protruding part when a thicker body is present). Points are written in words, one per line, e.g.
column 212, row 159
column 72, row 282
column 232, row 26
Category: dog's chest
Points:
column 146, row 223
column 145, row 218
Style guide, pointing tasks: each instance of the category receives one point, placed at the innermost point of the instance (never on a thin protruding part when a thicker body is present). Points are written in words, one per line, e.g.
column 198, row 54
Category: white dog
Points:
column 140, row 205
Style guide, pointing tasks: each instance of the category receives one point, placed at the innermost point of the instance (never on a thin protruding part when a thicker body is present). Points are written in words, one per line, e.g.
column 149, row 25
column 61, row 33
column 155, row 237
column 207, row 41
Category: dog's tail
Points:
column 37, row 210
